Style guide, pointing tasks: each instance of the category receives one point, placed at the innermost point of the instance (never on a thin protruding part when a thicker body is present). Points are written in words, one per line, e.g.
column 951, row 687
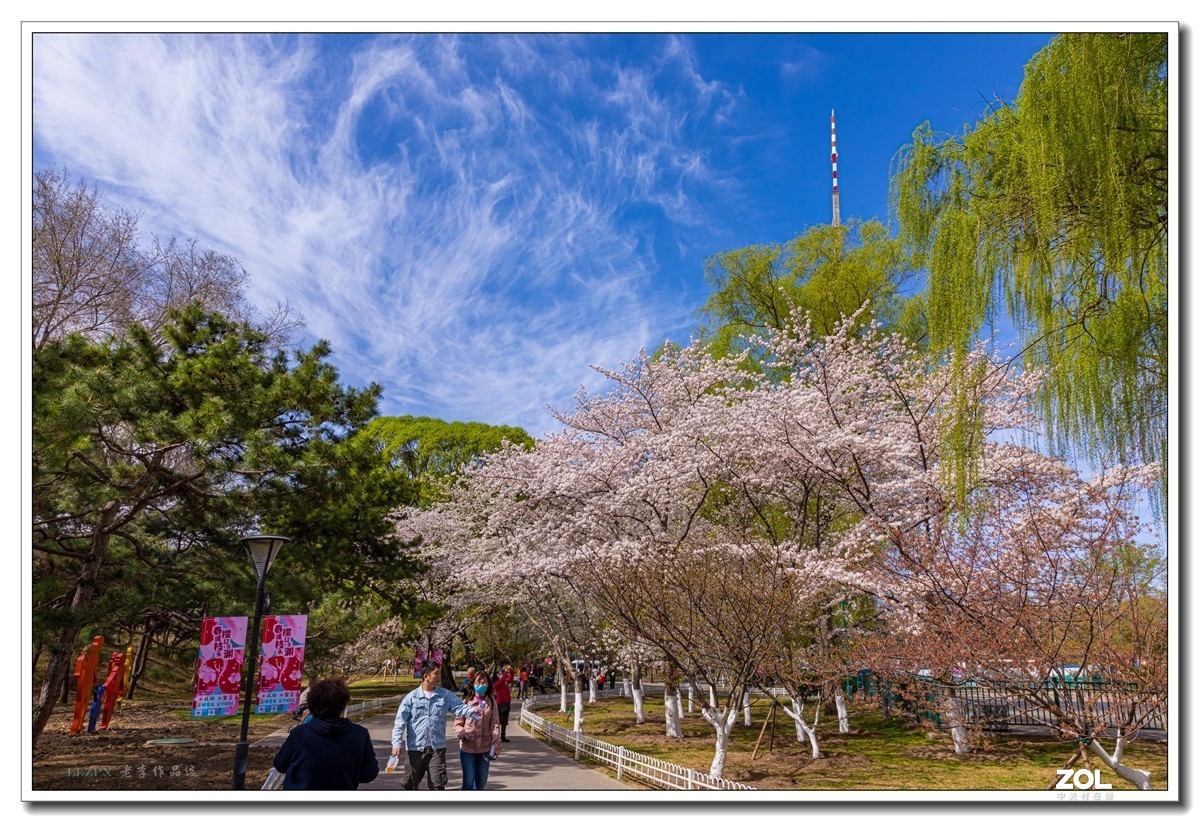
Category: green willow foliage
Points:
column 828, row 272
column 1054, row 210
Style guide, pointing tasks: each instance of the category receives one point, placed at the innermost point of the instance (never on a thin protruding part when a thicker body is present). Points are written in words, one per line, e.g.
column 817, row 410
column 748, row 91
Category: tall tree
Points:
column 430, row 450
column 196, row 435
column 828, row 272
column 93, row 274
column 1053, row 210
column 709, row 511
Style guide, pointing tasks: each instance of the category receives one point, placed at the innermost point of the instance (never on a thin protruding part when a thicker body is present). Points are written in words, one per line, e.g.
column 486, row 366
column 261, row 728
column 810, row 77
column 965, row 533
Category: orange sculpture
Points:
column 85, row 674
column 114, row 687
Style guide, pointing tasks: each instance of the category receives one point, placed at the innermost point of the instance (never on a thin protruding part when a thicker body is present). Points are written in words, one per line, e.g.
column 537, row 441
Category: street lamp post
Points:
column 261, row 549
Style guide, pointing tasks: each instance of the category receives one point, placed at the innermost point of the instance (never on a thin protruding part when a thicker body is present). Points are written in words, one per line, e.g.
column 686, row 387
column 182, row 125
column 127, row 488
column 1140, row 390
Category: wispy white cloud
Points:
column 805, row 62
column 448, row 211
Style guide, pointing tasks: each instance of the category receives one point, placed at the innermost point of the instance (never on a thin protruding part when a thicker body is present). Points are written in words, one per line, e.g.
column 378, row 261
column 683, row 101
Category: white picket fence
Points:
column 369, row 707
column 641, row 767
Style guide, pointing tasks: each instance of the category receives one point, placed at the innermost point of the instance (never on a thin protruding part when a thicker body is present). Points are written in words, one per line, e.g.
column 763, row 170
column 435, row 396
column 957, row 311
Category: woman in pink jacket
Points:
column 478, row 740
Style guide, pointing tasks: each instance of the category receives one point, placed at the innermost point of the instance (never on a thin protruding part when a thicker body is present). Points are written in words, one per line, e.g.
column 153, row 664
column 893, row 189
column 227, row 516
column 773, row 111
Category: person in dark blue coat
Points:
column 329, row 752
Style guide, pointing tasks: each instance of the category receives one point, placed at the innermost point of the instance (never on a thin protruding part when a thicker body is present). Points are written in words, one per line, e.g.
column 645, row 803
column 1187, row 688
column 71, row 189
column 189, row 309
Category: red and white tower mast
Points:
column 837, row 211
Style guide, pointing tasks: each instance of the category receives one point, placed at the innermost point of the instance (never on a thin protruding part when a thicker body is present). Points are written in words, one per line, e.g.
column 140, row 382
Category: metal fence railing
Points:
column 998, row 709
column 626, row 764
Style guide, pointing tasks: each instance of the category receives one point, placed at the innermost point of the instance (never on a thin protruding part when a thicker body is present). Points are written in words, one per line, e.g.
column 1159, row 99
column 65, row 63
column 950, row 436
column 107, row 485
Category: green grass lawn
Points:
column 368, row 688
column 878, row 753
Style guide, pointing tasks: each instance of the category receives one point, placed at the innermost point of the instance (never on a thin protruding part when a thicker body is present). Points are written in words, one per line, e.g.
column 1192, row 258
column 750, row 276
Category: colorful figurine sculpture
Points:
column 128, row 673
column 114, row 687
column 94, row 711
column 85, row 680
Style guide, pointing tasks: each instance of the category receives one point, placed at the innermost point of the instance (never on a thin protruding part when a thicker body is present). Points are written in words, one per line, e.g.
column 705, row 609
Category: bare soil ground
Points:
column 125, row 758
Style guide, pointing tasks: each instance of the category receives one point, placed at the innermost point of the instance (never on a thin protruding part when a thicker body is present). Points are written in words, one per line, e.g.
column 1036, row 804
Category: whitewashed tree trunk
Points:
column 803, row 730
column 746, row 708
column 953, row 721
column 562, row 688
column 801, row 735
column 839, row 700
column 639, row 695
column 639, row 705
column 624, row 686
column 578, row 708
column 812, row 739
column 678, row 713
column 591, row 689
column 691, row 698
column 674, row 704
column 1137, row 777
column 722, row 722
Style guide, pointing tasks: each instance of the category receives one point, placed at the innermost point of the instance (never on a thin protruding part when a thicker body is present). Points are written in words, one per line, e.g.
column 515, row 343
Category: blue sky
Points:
column 473, row 219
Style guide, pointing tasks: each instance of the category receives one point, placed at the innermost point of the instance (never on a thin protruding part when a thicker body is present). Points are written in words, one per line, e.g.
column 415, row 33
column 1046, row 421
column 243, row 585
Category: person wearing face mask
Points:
column 478, row 736
column 421, row 728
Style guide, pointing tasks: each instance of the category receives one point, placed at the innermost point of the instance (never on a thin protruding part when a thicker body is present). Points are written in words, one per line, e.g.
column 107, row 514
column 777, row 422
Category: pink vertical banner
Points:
column 219, row 669
column 419, row 660
column 281, row 664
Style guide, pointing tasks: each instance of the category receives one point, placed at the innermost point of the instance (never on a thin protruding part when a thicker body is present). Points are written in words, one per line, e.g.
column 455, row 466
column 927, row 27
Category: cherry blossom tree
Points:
column 703, row 508
column 1042, row 596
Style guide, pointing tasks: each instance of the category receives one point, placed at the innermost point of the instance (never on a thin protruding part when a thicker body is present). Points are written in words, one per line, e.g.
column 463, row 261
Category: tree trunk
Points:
column 591, row 689
column 953, row 721
column 746, row 709
column 1137, row 777
column 639, row 696
column 812, row 738
column 562, row 688
column 839, row 700
column 578, row 705
column 674, row 706
column 722, row 722
column 58, row 667
column 803, row 730
column 142, row 656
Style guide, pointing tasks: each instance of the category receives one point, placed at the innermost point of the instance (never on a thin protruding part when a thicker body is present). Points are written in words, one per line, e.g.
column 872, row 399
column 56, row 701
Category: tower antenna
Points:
column 837, row 211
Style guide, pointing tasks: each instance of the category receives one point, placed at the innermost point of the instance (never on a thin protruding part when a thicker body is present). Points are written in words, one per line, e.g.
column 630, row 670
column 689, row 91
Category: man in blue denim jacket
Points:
column 421, row 723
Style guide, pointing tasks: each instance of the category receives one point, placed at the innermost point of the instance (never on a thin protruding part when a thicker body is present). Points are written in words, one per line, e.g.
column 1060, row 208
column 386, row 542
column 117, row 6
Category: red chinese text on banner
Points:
column 281, row 664
column 219, row 669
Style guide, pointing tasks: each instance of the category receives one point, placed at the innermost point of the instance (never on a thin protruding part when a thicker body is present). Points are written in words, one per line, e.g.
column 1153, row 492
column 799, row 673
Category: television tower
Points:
column 837, row 211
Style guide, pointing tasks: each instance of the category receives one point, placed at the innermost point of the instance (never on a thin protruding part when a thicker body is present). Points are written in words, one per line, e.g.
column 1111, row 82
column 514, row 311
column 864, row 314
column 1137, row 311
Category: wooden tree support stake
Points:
column 757, row 743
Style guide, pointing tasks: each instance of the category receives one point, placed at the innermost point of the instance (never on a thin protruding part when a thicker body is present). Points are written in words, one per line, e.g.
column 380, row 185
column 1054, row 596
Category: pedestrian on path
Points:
column 421, row 728
column 468, row 684
column 330, row 752
column 478, row 740
column 501, row 683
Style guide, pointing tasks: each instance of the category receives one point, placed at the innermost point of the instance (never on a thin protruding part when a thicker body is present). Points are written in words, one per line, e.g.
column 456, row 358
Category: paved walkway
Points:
column 525, row 763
